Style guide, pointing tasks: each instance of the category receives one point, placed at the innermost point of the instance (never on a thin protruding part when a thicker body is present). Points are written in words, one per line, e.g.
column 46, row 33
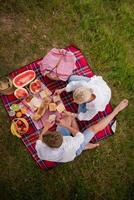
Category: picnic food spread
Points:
column 34, row 96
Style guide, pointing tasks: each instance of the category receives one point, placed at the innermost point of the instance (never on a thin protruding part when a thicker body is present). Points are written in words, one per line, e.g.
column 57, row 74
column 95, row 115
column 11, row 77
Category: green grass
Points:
column 104, row 31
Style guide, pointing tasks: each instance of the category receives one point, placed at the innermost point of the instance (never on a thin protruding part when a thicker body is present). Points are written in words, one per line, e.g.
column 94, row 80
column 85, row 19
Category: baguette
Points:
column 41, row 110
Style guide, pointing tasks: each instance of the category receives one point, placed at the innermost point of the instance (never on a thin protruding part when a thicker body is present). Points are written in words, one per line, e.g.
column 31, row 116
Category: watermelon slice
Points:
column 21, row 93
column 35, row 86
column 24, row 78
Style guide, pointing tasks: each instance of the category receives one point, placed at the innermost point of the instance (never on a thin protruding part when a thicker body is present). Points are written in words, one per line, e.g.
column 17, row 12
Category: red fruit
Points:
column 35, row 86
column 24, row 78
column 24, row 129
column 19, row 123
column 19, row 129
column 21, row 93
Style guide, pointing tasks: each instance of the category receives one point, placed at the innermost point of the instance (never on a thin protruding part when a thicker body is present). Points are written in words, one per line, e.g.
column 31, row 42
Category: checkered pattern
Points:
column 82, row 69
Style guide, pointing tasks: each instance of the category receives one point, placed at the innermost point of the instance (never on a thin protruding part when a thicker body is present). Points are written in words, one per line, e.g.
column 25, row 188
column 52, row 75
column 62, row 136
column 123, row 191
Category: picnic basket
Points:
column 15, row 120
column 6, row 86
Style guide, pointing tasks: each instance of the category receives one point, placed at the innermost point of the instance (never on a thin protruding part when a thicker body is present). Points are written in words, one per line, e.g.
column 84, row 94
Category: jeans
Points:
column 78, row 78
column 88, row 135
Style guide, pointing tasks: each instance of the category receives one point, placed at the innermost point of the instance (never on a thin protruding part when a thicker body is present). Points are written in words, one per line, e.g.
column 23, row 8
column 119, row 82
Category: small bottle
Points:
column 11, row 113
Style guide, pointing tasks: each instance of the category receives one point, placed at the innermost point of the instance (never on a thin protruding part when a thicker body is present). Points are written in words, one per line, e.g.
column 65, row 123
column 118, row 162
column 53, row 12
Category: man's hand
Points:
column 48, row 124
column 66, row 124
column 63, row 122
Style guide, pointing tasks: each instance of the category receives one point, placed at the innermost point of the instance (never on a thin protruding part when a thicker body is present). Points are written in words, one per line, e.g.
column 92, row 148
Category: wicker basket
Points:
column 6, row 86
column 24, row 121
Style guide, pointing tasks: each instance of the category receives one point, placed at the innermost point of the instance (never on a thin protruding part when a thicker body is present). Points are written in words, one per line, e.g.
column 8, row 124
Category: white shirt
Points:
column 101, row 91
column 65, row 153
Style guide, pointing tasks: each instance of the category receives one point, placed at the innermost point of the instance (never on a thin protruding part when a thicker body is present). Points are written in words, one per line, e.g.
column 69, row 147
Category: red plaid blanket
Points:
column 82, row 69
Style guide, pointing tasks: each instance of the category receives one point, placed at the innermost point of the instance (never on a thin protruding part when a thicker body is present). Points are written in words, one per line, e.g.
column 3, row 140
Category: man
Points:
column 70, row 142
column 91, row 94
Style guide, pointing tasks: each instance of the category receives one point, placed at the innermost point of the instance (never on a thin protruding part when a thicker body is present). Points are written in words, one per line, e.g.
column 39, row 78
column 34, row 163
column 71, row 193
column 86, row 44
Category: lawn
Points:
column 104, row 31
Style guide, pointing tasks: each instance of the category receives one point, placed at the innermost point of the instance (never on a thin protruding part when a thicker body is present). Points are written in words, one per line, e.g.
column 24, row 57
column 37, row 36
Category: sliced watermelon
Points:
column 21, row 93
column 24, row 78
column 35, row 86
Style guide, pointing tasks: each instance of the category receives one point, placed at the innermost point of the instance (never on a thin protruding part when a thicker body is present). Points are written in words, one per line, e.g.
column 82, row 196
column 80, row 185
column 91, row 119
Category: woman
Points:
column 91, row 94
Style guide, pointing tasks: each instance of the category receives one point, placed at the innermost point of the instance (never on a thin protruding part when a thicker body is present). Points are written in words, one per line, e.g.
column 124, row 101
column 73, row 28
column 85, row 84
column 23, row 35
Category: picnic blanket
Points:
column 84, row 69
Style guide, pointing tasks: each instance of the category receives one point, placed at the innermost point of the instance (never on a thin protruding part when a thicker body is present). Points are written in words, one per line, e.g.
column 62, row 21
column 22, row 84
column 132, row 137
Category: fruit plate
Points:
column 21, row 93
column 24, row 78
column 22, row 125
column 35, row 86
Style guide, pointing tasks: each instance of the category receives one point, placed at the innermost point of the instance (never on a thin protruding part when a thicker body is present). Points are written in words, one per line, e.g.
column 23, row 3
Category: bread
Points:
column 41, row 110
column 56, row 98
column 36, row 117
column 52, row 106
column 45, row 93
column 52, row 118
column 60, row 108
column 36, row 102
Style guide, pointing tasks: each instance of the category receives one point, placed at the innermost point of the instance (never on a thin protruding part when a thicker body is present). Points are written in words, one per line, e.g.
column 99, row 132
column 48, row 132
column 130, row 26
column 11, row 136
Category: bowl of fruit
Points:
column 35, row 86
column 21, row 124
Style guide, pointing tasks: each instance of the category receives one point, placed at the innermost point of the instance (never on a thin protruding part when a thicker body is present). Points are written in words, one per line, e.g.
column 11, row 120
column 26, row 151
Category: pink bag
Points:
column 58, row 64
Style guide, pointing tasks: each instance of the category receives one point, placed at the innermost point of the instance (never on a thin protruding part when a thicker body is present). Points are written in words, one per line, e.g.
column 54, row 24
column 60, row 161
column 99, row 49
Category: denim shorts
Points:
column 78, row 78
column 88, row 135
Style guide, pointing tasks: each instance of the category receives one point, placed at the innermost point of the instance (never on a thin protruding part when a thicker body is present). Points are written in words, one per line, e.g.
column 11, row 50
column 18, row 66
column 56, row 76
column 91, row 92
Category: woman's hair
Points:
column 52, row 139
column 82, row 94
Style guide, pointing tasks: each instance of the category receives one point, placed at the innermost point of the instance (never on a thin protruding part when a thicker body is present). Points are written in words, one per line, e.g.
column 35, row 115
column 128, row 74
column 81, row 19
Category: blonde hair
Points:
column 82, row 94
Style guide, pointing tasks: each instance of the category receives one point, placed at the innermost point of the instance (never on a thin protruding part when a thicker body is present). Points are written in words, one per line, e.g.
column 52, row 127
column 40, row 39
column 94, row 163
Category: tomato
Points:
column 19, row 123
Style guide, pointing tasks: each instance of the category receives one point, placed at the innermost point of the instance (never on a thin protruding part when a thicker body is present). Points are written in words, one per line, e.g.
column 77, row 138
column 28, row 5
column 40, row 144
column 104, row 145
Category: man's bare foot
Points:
column 91, row 146
column 121, row 106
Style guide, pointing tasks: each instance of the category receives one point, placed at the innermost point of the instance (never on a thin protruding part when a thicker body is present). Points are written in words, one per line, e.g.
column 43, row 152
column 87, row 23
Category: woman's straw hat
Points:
column 82, row 95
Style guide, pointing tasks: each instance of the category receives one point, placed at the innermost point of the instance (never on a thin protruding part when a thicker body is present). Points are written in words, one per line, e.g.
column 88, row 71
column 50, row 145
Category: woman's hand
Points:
column 59, row 91
column 63, row 122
